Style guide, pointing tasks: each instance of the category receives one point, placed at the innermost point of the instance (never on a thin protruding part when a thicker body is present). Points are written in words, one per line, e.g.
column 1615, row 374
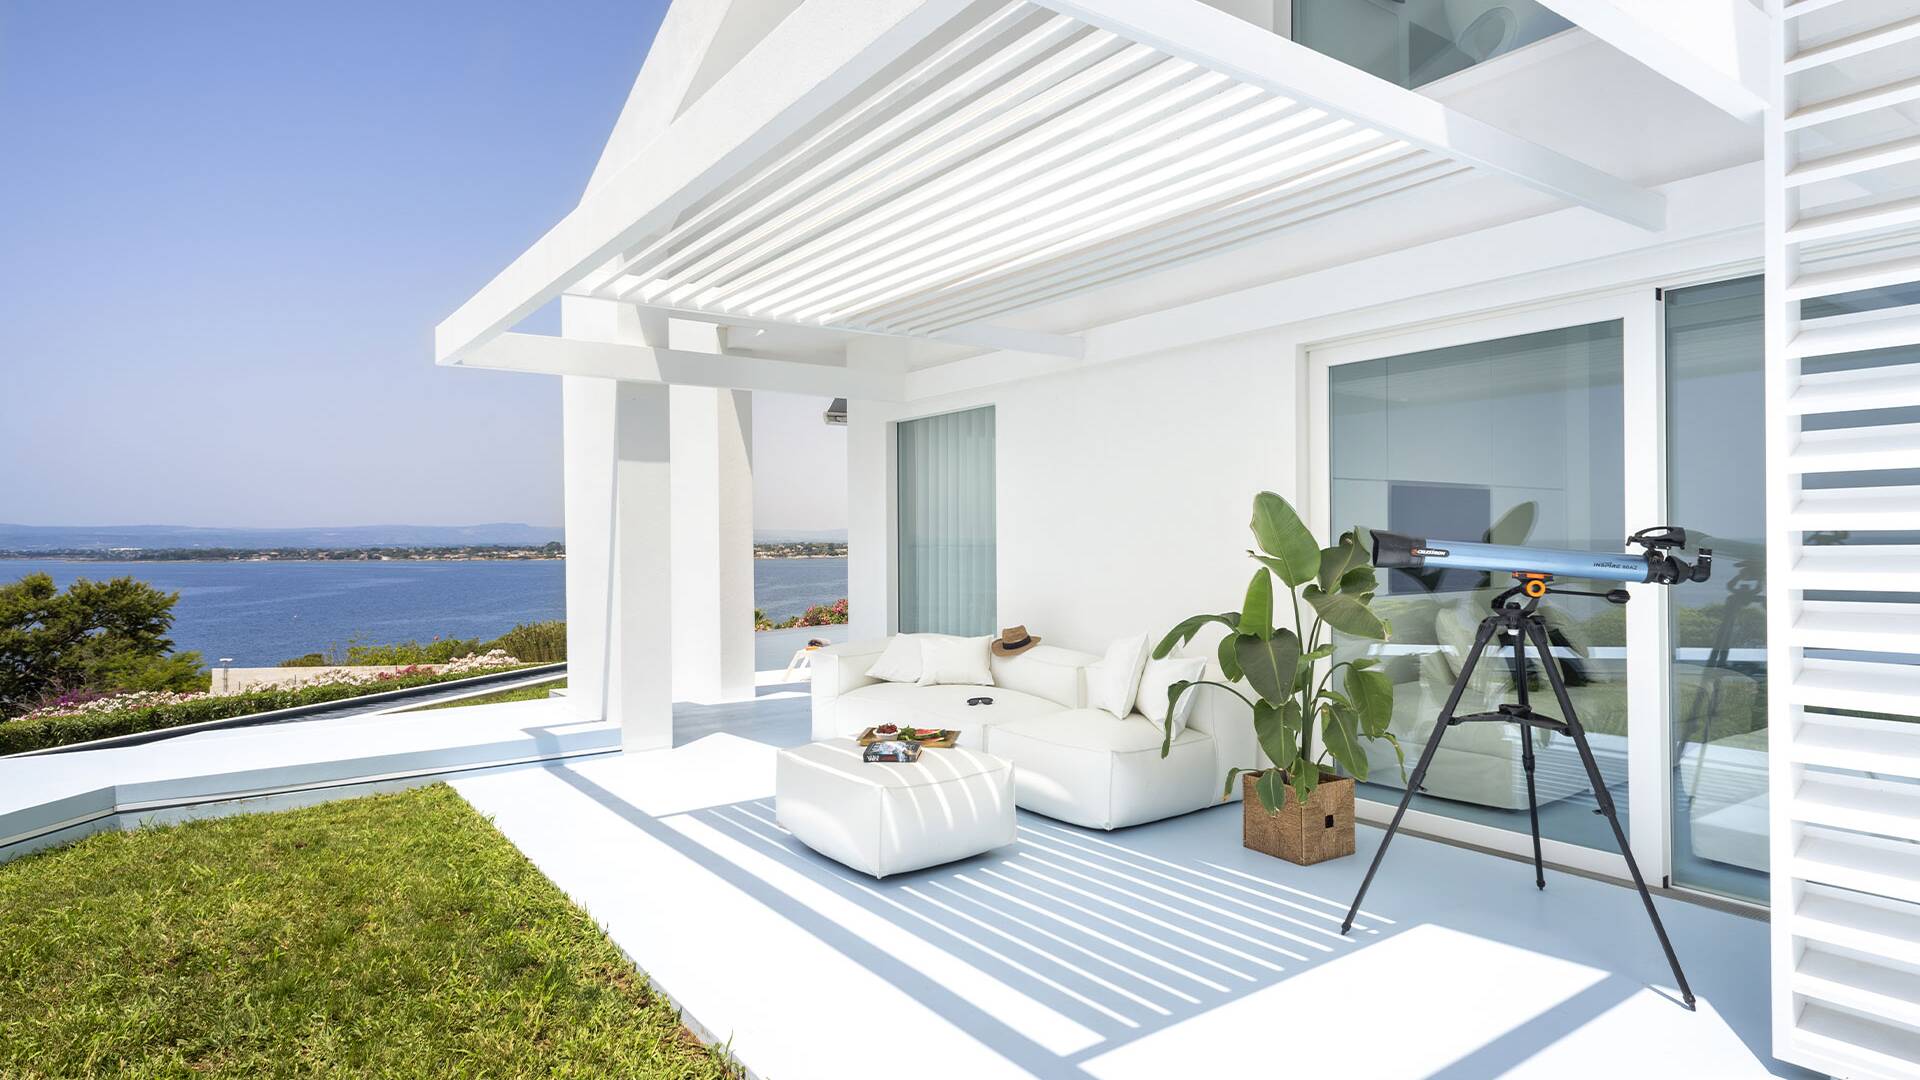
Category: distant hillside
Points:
column 799, row 536
column 104, row 537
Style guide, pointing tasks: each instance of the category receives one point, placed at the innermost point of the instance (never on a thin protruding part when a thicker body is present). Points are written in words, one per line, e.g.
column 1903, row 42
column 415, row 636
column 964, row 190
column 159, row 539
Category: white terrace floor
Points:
column 1164, row 950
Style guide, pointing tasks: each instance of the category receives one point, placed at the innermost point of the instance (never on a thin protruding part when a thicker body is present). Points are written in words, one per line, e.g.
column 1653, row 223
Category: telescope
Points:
column 1654, row 562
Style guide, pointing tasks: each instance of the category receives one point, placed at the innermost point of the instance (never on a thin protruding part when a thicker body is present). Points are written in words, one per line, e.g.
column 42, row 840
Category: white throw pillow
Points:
column 1113, row 683
column 900, row 662
column 1157, row 676
column 956, row 661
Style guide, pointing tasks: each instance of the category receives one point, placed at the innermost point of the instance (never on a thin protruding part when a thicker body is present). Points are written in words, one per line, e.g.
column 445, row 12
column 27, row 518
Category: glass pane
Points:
column 1413, row 42
column 1716, row 459
column 946, row 533
column 1517, row 440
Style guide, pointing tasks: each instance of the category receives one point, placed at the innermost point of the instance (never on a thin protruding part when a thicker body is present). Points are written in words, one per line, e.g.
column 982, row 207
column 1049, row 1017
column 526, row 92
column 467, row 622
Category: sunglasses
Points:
column 979, row 701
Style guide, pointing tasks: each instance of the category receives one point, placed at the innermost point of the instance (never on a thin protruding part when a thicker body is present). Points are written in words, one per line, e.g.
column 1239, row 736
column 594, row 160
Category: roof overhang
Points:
column 923, row 168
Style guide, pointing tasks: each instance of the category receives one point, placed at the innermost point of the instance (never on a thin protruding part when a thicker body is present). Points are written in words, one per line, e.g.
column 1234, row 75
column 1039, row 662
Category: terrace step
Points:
column 1856, row 222
column 1854, row 162
column 1855, row 278
column 1856, row 449
column 1885, row 808
column 1868, row 864
column 1824, row 509
column 1861, row 744
column 1885, row 568
column 1852, row 983
column 1839, row 108
column 1869, row 924
column 1858, row 685
column 1885, row 328
column 1853, row 45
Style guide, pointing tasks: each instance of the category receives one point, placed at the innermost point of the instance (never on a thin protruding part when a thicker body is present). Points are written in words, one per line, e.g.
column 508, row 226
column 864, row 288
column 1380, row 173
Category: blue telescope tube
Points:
column 1393, row 551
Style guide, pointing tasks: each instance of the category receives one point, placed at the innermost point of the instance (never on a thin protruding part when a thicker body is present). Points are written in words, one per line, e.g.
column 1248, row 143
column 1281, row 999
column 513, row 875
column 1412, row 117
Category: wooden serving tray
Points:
column 945, row 741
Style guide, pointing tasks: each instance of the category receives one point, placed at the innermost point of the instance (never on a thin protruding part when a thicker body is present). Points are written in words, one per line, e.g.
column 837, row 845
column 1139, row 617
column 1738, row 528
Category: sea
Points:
column 260, row 613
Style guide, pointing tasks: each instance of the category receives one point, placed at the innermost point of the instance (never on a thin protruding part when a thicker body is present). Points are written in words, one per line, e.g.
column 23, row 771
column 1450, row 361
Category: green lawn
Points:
column 525, row 693
column 396, row 935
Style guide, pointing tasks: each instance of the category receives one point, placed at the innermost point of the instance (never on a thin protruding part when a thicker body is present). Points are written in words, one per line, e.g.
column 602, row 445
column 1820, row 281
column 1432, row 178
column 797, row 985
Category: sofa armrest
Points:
column 1046, row 671
column 836, row 670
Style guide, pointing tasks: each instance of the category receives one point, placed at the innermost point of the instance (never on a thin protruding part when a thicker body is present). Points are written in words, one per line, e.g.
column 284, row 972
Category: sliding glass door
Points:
column 1716, row 458
column 946, row 523
column 1513, row 440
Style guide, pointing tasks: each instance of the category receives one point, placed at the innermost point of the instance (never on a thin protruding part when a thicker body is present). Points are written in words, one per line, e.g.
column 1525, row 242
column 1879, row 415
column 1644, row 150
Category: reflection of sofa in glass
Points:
column 1481, row 763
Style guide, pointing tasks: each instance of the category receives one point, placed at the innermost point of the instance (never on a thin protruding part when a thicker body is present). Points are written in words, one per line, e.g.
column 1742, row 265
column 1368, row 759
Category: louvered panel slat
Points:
column 1850, row 509
column 1857, row 685
column 1861, row 221
column 1855, row 449
column 1885, row 328
column 1863, row 804
column 1866, row 864
column 1853, row 45
column 1882, row 568
column 1874, row 275
column 1855, row 104
column 1860, row 744
column 1854, row 162
column 1868, row 924
column 1861, row 985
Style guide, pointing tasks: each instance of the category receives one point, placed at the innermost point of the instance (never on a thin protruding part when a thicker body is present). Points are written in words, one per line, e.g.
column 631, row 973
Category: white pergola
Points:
column 924, row 168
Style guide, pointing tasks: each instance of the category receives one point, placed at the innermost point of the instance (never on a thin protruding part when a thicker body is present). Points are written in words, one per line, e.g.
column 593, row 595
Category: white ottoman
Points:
column 887, row 818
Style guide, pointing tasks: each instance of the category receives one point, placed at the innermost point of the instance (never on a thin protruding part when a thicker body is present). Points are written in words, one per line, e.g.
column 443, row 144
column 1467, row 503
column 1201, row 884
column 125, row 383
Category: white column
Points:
column 712, row 531
column 871, row 496
column 616, row 475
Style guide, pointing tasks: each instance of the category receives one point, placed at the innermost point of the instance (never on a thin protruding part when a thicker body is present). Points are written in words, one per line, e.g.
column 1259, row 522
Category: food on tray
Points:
column 888, row 730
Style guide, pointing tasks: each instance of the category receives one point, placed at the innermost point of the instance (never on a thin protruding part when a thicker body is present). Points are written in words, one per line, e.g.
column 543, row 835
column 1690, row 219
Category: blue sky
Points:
column 228, row 229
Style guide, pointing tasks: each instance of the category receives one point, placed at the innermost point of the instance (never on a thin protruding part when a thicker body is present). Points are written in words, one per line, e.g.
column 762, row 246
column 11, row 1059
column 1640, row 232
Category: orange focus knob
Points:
column 1535, row 587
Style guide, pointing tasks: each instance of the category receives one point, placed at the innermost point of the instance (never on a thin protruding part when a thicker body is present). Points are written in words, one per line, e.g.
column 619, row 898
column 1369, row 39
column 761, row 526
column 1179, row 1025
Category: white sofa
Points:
column 1073, row 763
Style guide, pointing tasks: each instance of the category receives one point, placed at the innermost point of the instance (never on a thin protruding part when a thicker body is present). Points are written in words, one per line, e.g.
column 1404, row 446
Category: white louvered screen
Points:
column 1843, row 523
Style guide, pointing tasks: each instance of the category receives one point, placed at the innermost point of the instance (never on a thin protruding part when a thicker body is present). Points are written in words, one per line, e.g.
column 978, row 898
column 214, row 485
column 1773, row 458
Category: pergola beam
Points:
column 542, row 355
column 1218, row 41
column 983, row 335
column 801, row 70
column 1715, row 49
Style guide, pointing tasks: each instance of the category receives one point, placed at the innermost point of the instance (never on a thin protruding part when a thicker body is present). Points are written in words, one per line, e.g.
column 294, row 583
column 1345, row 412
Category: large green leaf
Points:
column 1340, row 732
column 1271, row 787
column 1230, row 659
column 1183, row 633
column 1256, row 615
column 1337, row 560
column 1359, row 581
column 1305, row 779
column 1278, row 729
column 1281, row 534
column 1269, row 665
column 1514, row 526
column 1173, row 708
column 1372, row 695
column 1346, row 612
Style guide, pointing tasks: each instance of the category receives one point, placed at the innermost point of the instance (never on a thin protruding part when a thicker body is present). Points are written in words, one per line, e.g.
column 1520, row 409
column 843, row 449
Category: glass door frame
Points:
column 1643, row 406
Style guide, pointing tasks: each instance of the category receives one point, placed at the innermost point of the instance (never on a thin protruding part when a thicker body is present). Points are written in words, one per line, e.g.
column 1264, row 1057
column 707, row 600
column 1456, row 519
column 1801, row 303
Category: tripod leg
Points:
column 1526, row 756
column 1440, row 725
column 1605, row 799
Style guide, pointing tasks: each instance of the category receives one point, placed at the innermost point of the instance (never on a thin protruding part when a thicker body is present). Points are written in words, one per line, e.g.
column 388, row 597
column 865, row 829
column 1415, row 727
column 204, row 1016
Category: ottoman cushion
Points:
column 885, row 818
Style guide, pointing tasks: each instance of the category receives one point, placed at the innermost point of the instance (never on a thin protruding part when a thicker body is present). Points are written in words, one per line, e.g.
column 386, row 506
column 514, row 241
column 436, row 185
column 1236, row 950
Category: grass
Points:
column 535, row 692
column 395, row 935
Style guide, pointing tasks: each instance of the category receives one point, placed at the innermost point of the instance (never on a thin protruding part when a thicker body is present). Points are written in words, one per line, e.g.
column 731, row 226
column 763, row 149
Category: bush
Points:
column 166, row 710
column 535, row 643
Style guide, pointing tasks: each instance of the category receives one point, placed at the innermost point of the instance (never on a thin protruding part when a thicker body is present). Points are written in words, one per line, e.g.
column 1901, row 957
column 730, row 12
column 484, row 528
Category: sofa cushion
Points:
column 936, row 706
column 956, row 661
column 1113, row 684
column 1045, row 671
column 1158, row 677
column 901, row 661
column 1085, row 767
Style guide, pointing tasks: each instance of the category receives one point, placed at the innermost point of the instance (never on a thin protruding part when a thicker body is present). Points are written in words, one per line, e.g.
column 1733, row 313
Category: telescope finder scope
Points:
column 1654, row 562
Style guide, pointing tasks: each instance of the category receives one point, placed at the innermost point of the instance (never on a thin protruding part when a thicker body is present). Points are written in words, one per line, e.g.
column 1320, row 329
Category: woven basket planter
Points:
column 1318, row 830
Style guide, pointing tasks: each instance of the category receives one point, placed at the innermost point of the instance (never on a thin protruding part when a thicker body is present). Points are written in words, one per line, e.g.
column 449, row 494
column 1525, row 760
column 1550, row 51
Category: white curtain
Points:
column 946, row 536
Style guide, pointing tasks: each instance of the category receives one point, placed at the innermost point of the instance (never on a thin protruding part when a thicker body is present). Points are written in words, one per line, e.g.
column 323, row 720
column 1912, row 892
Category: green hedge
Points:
column 19, row 736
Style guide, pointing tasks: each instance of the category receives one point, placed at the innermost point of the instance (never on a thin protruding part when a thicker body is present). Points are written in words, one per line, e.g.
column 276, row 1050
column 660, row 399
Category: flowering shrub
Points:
column 83, row 717
column 832, row 614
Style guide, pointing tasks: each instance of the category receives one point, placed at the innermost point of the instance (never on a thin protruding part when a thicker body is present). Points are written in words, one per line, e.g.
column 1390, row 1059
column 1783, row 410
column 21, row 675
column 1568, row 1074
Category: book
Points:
column 891, row 750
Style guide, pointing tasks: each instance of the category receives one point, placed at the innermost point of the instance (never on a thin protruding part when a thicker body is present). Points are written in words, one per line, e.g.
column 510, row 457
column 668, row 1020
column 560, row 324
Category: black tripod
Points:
column 1523, row 623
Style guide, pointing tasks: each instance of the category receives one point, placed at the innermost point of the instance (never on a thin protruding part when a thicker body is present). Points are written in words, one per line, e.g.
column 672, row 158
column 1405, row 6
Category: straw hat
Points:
column 1013, row 641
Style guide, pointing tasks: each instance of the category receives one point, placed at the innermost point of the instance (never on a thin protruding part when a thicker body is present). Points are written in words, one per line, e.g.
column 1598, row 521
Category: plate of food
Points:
column 931, row 738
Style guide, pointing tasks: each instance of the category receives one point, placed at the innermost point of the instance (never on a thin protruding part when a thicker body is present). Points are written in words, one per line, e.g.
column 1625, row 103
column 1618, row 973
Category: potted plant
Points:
column 1296, row 810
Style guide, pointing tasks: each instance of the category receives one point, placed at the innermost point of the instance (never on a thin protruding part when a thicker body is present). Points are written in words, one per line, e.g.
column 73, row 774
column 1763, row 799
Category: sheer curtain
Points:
column 946, row 534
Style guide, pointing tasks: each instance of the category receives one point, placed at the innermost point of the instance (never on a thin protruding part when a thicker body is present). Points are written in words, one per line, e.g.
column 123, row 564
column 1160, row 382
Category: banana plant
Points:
column 1296, row 694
